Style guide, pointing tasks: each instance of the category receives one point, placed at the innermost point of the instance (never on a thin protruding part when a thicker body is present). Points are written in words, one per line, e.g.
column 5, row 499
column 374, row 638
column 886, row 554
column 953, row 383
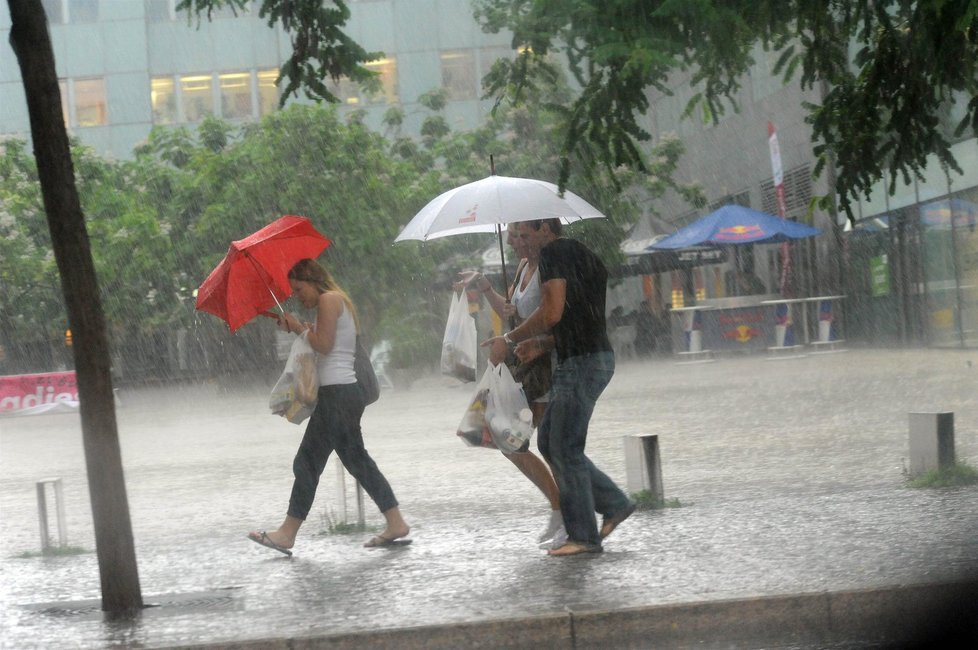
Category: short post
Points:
column 42, row 512
column 931, row 441
column 643, row 466
column 341, row 488
column 361, row 518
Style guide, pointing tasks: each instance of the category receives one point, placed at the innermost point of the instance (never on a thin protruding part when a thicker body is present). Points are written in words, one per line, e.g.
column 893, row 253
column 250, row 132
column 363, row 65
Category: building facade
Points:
column 909, row 267
column 128, row 65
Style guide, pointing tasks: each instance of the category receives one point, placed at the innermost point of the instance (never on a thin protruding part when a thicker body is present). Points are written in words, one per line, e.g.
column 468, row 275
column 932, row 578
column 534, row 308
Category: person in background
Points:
column 335, row 421
column 520, row 300
column 573, row 284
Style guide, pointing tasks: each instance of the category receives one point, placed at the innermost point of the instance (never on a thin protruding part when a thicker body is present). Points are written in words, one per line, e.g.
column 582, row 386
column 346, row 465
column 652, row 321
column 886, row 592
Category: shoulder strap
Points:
column 516, row 276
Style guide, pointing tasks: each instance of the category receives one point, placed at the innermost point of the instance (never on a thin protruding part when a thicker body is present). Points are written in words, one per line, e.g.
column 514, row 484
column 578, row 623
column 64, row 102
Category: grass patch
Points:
column 330, row 525
column 54, row 551
column 956, row 475
column 646, row 500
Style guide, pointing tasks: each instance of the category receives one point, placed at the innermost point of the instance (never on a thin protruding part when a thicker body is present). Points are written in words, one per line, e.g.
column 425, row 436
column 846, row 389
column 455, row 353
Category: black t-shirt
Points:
column 582, row 328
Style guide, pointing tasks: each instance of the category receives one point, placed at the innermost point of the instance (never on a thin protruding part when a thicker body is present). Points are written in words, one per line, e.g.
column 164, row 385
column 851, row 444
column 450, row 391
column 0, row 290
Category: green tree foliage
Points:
column 889, row 69
column 320, row 48
column 30, row 293
column 162, row 220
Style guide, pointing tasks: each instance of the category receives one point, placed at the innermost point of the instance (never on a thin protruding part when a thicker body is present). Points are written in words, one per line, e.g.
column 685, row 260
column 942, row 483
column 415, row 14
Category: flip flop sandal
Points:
column 263, row 539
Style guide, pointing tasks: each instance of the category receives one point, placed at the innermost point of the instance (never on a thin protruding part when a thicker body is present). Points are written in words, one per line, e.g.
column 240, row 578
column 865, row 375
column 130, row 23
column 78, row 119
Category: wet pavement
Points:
column 789, row 475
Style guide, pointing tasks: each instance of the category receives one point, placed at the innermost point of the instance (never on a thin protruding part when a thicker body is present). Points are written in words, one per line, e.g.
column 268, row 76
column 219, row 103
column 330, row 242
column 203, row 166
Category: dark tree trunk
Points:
column 107, row 489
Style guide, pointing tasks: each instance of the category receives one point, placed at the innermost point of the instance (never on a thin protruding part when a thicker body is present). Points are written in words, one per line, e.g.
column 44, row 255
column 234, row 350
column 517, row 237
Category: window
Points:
column 387, row 75
column 90, row 107
column 797, row 192
column 54, row 9
column 235, row 95
column 163, row 99
column 65, row 114
column 742, row 199
column 160, row 11
column 197, row 96
column 458, row 76
column 488, row 57
column 346, row 91
column 83, row 11
column 267, row 91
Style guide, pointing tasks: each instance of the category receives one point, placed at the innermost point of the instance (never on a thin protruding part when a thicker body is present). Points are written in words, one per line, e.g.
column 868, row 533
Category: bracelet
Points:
column 508, row 340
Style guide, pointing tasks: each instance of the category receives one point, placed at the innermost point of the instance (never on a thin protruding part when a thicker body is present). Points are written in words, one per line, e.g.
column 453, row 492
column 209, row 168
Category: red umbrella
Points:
column 253, row 276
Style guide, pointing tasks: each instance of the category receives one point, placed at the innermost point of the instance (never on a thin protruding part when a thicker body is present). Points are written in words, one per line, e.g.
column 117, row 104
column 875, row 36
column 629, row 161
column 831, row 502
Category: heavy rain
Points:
column 794, row 319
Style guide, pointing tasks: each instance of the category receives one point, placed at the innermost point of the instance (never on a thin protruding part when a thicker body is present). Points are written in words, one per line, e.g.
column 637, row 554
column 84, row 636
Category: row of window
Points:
column 63, row 12
column 246, row 95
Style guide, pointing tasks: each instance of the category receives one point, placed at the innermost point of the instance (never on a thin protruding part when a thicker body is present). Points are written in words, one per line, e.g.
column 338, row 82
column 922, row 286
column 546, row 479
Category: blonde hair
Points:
column 311, row 271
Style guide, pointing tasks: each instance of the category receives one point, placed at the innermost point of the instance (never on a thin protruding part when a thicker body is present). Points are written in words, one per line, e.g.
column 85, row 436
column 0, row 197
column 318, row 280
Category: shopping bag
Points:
column 294, row 394
column 473, row 429
column 460, row 344
column 497, row 416
column 507, row 412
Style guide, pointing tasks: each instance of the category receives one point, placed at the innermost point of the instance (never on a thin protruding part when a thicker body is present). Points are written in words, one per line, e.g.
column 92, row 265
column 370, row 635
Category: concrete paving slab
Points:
column 789, row 476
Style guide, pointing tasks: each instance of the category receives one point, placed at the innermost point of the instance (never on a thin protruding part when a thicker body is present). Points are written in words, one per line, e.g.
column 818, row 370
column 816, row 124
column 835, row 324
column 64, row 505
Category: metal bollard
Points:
column 931, row 441
column 643, row 466
column 42, row 511
column 341, row 491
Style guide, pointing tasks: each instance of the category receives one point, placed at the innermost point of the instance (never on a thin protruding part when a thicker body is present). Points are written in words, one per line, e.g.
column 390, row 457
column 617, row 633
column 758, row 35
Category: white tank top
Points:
column 526, row 300
column 337, row 366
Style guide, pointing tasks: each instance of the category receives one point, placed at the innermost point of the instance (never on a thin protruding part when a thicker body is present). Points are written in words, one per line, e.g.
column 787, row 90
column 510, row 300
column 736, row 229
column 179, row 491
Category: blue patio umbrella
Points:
column 732, row 225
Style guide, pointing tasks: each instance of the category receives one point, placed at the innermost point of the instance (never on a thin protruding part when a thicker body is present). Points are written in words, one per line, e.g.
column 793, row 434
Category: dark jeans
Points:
column 335, row 425
column 584, row 489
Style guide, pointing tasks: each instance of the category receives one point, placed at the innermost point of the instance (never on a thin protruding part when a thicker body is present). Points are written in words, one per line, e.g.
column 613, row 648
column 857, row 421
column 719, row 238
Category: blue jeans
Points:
column 584, row 489
column 335, row 425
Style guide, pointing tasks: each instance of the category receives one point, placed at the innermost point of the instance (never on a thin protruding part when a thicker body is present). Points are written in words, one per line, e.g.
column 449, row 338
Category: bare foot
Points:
column 276, row 537
column 395, row 532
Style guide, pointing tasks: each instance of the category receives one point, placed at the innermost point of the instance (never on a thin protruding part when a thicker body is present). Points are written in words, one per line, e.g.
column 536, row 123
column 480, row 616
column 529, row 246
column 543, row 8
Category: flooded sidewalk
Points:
column 789, row 477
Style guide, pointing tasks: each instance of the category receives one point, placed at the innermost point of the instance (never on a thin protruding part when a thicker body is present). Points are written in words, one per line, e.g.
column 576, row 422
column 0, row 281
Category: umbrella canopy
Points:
column 493, row 202
column 735, row 224
column 490, row 204
column 253, row 276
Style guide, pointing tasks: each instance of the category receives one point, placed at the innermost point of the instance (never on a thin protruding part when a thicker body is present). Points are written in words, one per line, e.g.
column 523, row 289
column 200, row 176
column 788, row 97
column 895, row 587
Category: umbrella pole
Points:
column 277, row 303
column 502, row 260
column 258, row 270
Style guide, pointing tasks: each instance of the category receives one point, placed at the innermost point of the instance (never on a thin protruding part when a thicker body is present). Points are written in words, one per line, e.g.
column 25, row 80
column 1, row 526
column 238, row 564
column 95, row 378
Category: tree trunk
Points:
column 107, row 490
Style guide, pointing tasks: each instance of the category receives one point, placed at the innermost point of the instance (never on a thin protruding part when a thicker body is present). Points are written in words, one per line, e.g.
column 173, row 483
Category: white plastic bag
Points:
column 294, row 394
column 460, row 344
column 473, row 429
column 507, row 412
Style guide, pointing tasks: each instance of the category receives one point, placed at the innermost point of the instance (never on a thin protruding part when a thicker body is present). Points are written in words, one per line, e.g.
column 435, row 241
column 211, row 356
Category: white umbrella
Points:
column 490, row 204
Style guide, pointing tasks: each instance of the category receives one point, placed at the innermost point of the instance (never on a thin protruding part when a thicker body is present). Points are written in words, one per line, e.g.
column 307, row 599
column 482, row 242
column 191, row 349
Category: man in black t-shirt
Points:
column 573, row 283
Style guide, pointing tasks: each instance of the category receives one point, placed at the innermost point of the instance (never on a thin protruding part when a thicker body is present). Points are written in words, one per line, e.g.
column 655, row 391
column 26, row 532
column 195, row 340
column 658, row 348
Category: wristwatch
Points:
column 508, row 340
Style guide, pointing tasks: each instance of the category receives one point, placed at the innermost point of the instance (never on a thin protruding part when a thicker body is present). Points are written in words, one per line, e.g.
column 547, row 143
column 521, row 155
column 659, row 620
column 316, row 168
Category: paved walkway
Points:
column 794, row 518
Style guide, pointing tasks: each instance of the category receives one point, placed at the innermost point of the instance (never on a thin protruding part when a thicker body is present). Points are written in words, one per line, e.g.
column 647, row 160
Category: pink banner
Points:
column 41, row 393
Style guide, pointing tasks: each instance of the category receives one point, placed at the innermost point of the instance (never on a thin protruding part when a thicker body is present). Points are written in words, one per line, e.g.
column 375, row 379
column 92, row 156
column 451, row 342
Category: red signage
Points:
column 38, row 393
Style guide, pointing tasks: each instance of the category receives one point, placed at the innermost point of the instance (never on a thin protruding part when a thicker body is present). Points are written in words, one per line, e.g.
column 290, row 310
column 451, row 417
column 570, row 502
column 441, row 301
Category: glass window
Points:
column 54, row 9
column 63, row 88
column 458, row 76
column 387, row 71
column 83, row 11
column 90, row 102
column 235, row 95
column 163, row 99
column 197, row 96
column 159, row 11
column 489, row 55
column 267, row 91
column 346, row 91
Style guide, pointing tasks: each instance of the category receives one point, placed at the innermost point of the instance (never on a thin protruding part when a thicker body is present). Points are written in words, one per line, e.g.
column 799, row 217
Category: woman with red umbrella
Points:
column 335, row 422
